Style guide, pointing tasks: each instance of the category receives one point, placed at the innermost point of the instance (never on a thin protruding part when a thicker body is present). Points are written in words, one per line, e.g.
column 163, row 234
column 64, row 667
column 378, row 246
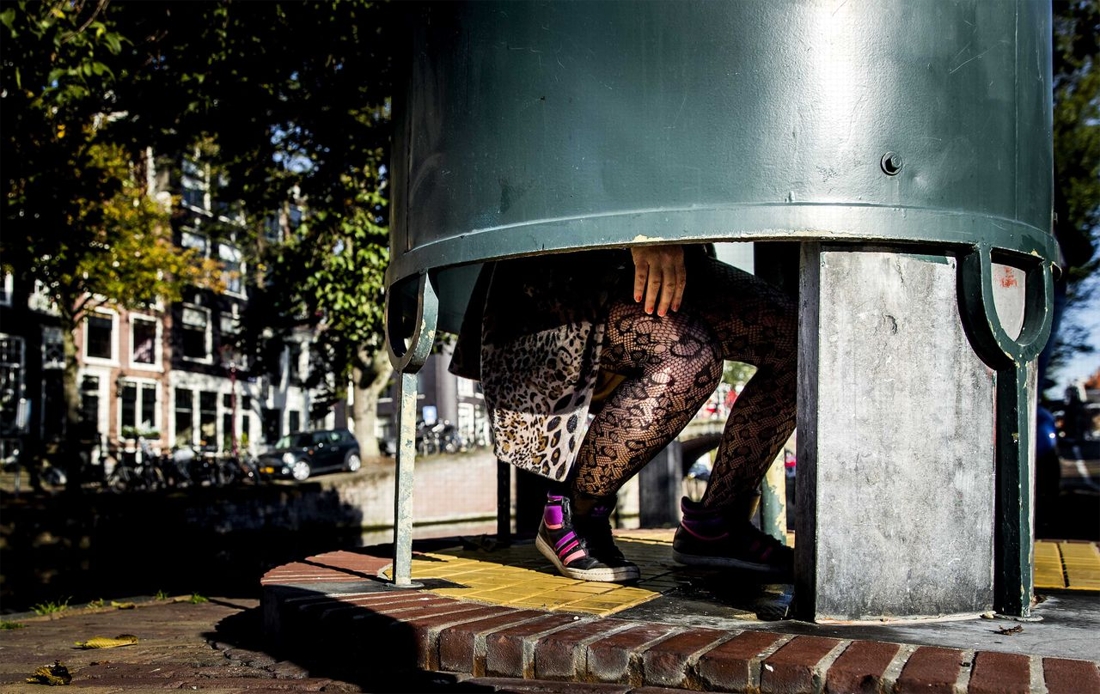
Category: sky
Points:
column 1083, row 366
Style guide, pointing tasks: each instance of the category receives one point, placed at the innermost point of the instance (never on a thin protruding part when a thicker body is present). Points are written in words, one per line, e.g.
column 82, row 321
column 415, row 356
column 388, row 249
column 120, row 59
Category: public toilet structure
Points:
column 905, row 145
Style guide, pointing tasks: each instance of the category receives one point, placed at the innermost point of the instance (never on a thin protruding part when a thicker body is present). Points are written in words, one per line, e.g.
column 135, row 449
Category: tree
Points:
column 297, row 98
column 1077, row 157
column 78, row 221
column 293, row 101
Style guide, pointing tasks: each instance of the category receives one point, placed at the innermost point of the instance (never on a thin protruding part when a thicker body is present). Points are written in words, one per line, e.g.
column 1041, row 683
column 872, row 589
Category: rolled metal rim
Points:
column 863, row 224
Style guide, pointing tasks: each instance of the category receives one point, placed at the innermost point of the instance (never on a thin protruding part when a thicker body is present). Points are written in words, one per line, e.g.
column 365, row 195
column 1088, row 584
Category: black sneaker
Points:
column 581, row 547
column 716, row 540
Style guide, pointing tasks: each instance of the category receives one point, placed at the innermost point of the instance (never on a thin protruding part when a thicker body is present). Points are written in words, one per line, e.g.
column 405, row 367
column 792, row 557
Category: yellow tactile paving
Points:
column 519, row 576
column 1048, row 566
column 1082, row 562
column 1067, row 565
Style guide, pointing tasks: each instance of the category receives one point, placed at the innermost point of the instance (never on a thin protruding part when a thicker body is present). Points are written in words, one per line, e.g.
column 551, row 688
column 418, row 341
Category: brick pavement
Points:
column 338, row 603
column 328, row 623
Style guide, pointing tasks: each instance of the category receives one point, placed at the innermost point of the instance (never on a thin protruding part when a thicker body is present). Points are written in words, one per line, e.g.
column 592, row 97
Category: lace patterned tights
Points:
column 674, row 363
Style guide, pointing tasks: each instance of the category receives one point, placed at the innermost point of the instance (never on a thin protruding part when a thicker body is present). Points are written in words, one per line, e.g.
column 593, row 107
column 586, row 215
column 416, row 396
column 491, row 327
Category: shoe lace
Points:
column 596, row 534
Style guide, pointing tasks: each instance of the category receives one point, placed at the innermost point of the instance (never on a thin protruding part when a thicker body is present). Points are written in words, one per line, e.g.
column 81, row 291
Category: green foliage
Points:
column 736, row 373
column 76, row 215
column 5, row 625
column 161, row 595
column 197, row 599
column 46, row 608
column 294, row 99
column 1077, row 157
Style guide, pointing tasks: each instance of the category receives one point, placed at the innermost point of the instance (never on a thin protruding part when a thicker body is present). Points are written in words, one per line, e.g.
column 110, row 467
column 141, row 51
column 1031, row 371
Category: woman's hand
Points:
column 659, row 277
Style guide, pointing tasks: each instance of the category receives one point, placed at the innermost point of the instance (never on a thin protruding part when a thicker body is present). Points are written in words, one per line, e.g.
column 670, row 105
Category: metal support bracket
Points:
column 408, row 362
column 1014, row 533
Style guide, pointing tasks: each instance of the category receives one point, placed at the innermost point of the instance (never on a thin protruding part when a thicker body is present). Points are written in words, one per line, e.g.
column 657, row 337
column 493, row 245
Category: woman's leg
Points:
column 672, row 366
column 757, row 324
column 753, row 323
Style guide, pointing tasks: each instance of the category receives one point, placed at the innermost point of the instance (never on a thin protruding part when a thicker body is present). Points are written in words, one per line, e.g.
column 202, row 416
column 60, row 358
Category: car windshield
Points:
column 294, row 441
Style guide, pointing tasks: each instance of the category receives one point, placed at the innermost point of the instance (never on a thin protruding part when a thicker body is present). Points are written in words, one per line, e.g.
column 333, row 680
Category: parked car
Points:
column 305, row 453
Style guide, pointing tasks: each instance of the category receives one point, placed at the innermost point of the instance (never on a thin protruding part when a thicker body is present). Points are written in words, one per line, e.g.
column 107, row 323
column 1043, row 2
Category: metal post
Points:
column 504, row 503
column 403, row 496
column 407, row 358
column 773, row 502
column 1013, row 557
column 1014, row 533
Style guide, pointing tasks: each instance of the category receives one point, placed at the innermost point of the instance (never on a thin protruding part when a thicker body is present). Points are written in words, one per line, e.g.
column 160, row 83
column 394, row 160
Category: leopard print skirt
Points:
column 533, row 335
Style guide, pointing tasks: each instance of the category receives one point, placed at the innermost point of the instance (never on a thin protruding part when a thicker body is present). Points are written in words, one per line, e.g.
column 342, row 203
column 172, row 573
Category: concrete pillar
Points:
column 895, row 442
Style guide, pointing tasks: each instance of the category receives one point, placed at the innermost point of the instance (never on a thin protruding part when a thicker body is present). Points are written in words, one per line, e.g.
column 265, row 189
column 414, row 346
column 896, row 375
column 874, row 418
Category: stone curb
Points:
column 337, row 608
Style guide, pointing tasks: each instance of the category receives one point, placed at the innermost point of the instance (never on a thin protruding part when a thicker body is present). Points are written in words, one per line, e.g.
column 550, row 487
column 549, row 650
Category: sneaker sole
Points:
column 726, row 563
column 605, row 575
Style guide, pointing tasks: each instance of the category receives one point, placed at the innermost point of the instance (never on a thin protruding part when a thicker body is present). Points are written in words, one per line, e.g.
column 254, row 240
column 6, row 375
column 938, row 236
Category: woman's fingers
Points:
column 659, row 277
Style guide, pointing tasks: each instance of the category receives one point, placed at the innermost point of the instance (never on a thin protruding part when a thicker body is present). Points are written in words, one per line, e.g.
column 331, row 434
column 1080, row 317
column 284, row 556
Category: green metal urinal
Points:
column 537, row 127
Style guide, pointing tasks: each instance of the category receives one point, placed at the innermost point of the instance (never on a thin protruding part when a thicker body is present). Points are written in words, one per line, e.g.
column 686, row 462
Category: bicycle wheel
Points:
column 119, row 480
column 154, row 478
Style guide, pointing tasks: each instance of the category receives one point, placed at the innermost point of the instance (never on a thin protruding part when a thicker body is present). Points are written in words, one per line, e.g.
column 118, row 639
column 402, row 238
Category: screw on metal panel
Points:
column 891, row 163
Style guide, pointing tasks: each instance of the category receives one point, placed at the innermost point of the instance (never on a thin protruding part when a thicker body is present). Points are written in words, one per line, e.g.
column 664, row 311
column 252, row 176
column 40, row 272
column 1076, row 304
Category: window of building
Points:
column 144, row 341
column 294, row 364
column 185, row 417
column 230, row 324
column 11, row 382
column 465, row 387
column 294, row 218
column 270, row 423
column 53, row 348
column 194, row 241
column 273, row 231
column 295, row 420
column 194, row 184
column 196, row 333
column 89, row 399
column 208, row 418
column 139, row 406
column 227, row 431
column 232, row 268
column 99, row 336
column 7, row 287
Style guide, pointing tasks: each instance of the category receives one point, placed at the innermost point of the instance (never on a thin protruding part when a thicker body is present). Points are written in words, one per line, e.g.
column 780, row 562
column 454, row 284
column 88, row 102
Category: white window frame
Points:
column 158, row 343
column 138, row 383
column 113, row 359
column 230, row 253
column 204, row 251
column 102, row 392
column 209, row 358
column 8, row 289
column 53, row 340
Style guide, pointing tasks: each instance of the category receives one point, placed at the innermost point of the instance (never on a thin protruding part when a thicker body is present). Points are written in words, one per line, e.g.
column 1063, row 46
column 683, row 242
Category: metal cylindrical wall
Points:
column 536, row 127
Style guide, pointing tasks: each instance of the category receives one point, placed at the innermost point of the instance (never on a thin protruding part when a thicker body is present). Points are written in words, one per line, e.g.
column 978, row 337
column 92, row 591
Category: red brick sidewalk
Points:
column 334, row 604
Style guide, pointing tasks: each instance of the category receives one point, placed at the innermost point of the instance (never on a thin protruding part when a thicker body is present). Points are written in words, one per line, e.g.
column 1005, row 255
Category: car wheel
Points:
column 300, row 470
column 353, row 462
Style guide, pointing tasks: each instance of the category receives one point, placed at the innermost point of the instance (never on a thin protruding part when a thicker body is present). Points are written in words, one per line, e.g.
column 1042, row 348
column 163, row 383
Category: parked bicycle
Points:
column 136, row 470
column 243, row 468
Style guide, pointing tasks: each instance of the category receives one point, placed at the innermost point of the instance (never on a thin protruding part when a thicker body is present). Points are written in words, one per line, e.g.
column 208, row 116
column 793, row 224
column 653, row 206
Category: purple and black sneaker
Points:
column 580, row 545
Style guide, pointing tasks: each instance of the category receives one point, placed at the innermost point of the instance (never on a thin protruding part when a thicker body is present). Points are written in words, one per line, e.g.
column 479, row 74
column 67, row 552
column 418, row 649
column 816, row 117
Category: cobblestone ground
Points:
column 208, row 646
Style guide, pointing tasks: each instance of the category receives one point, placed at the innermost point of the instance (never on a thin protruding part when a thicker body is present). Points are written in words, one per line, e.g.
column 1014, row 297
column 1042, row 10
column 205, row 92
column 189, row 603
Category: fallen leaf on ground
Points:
column 1011, row 630
column 104, row 642
column 53, row 675
column 123, row 605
